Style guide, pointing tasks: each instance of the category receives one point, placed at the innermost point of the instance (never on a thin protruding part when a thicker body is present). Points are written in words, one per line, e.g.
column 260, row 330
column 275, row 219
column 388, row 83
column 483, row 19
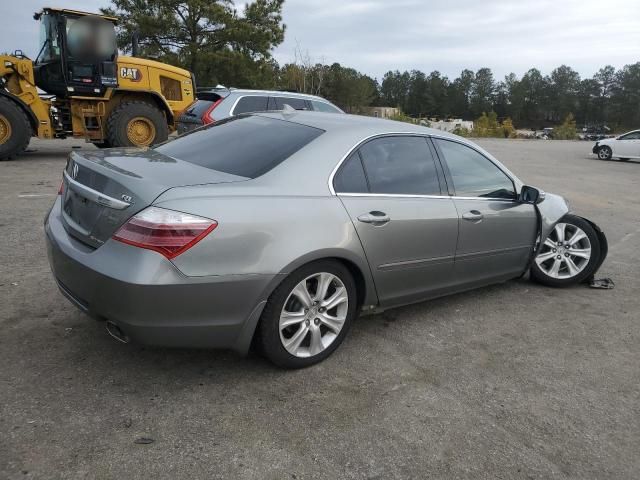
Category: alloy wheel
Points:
column 565, row 253
column 604, row 153
column 313, row 314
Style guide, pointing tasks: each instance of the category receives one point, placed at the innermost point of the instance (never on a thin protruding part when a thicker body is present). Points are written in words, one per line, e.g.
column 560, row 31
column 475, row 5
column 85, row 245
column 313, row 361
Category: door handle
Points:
column 473, row 216
column 375, row 217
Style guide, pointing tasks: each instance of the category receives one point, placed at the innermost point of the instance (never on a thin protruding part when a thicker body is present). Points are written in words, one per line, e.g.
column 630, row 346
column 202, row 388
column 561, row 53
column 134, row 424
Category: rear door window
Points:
column 295, row 103
column 400, row 165
column 251, row 104
column 247, row 146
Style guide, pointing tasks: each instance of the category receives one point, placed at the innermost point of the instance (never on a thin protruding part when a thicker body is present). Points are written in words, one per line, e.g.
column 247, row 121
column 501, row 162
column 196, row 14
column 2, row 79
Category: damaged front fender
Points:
column 550, row 211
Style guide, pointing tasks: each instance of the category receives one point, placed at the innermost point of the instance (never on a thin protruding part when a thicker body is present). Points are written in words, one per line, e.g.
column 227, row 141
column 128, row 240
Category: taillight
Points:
column 61, row 189
column 165, row 231
column 206, row 116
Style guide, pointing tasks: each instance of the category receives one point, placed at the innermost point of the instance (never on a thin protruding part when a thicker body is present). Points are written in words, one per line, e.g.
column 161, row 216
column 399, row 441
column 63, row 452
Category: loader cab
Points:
column 77, row 55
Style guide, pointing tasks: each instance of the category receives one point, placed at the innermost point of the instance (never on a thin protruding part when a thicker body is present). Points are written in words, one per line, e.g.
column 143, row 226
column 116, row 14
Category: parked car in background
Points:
column 595, row 132
column 624, row 147
column 219, row 103
column 278, row 228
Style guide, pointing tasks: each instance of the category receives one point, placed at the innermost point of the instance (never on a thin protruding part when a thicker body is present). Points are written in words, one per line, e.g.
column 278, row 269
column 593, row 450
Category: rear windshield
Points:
column 198, row 108
column 247, row 146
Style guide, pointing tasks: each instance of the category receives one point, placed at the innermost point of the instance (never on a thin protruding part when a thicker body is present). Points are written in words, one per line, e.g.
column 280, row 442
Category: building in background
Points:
column 380, row 112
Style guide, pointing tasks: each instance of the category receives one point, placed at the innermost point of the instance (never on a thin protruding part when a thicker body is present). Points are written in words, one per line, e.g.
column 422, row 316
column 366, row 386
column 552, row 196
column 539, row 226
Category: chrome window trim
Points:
column 94, row 195
column 260, row 93
column 402, row 195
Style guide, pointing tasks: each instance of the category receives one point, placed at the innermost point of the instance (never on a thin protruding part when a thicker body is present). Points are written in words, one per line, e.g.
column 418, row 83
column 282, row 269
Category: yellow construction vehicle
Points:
column 78, row 86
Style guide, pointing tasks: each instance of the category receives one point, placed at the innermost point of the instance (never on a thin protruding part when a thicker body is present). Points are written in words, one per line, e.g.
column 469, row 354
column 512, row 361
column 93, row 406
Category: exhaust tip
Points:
column 115, row 331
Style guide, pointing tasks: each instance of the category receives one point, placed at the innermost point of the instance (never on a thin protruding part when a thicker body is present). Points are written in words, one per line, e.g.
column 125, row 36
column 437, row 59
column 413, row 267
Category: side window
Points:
column 351, row 178
column 473, row 174
column 324, row 107
column 295, row 103
column 631, row 136
column 251, row 104
column 400, row 165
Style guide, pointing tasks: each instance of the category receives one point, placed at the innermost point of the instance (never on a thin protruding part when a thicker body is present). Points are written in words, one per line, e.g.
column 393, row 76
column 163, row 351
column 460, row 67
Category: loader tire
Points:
column 136, row 124
column 15, row 130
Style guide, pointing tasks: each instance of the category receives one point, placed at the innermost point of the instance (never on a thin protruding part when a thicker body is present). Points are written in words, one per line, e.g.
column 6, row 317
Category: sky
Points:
column 375, row 36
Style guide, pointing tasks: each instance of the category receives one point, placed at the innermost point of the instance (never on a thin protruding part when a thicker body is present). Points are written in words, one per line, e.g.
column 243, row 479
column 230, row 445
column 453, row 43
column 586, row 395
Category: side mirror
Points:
column 531, row 195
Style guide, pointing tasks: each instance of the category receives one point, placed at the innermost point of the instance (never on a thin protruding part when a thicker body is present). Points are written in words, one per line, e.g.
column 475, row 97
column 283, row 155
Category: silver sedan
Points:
column 278, row 229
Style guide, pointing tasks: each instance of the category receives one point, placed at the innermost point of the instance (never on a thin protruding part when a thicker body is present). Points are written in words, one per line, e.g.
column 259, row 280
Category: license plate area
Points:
column 84, row 212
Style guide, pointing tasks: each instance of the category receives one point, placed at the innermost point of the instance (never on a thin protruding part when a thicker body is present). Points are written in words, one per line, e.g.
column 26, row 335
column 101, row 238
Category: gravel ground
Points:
column 510, row 381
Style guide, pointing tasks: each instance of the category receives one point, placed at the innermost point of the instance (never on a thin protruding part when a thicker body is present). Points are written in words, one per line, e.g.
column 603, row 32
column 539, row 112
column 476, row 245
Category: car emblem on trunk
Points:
column 74, row 172
column 126, row 198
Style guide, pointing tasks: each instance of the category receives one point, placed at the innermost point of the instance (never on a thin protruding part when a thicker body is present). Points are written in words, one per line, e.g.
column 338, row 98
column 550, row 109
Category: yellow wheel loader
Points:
column 78, row 86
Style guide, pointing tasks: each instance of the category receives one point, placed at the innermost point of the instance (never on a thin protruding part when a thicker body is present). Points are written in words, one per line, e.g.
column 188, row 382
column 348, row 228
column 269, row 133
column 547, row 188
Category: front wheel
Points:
column 308, row 315
column 136, row 124
column 605, row 153
column 569, row 255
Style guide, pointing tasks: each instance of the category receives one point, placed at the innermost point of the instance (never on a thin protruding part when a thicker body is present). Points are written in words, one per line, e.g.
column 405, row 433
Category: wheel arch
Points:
column 33, row 120
column 365, row 288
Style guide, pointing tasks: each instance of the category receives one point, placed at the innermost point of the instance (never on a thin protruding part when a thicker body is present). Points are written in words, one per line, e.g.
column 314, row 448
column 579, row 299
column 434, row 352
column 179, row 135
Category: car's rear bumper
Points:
column 149, row 299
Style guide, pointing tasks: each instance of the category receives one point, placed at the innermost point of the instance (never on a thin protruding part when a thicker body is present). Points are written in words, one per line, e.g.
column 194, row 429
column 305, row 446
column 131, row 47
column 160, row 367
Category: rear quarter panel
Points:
column 270, row 235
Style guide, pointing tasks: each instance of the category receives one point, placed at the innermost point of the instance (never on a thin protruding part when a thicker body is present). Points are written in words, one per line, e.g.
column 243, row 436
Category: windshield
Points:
column 49, row 47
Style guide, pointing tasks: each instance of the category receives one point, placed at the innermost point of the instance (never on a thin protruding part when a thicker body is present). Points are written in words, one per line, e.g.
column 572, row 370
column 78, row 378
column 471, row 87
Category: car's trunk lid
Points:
column 103, row 189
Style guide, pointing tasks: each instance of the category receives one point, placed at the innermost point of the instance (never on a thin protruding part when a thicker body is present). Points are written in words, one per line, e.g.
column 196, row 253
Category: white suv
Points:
column 623, row 147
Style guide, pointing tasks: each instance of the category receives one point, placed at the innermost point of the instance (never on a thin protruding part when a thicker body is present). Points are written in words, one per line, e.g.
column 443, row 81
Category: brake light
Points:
column 206, row 116
column 61, row 189
column 165, row 231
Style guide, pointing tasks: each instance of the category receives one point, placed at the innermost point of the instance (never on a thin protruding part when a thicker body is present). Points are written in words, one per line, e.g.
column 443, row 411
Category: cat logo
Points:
column 132, row 74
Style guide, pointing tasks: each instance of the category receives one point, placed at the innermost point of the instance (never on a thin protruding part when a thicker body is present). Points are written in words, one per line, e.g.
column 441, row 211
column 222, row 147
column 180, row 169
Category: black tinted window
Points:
column 473, row 174
column 295, row 103
column 350, row 178
column 324, row 107
column 400, row 165
column 248, row 146
column 198, row 108
column 251, row 104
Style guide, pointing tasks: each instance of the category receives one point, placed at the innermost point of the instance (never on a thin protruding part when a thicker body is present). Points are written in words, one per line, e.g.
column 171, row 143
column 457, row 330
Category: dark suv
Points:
column 218, row 103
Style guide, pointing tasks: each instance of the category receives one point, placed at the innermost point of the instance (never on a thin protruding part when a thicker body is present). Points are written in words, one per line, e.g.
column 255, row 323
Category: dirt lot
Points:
column 511, row 381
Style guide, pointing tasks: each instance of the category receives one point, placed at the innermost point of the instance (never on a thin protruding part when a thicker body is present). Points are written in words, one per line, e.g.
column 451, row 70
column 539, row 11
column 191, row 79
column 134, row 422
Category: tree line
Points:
column 224, row 46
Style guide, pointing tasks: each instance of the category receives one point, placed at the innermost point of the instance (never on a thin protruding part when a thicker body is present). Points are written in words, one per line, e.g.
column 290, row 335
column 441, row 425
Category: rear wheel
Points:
column 136, row 124
column 308, row 315
column 569, row 255
column 604, row 153
column 15, row 130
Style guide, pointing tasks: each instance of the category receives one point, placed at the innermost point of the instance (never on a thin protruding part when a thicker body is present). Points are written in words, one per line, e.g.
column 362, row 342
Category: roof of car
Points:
column 361, row 125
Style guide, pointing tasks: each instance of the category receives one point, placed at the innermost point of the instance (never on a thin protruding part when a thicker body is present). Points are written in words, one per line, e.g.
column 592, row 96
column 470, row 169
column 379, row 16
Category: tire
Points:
column 103, row 145
column 552, row 266
column 303, row 325
column 605, row 153
column 15, row 130
column 143, row 113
